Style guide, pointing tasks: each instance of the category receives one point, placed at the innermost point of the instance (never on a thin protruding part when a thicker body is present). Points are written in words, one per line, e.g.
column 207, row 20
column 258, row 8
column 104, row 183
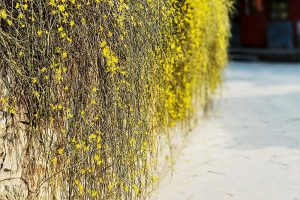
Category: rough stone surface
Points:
column 12, row 148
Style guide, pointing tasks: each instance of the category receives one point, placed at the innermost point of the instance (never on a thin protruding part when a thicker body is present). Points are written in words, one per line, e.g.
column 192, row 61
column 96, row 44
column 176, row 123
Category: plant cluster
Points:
column 99, row 81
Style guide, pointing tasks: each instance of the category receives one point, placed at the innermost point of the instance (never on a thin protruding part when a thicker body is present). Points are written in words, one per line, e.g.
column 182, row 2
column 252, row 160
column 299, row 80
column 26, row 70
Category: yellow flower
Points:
column 69, row 116
column 9, row 22
column 93, row 102
column 86, row 148
column 21, row 16
column 40, row 32
column 110, row 187
column 54, row 160
column 64, row 55
column 3, row 14
column 61, row 8
column 12, row 110
column 80, row 187
column 17, row 5
column 43, row 69
column 103, row 44
column 60, row 29
column 34, row 80
column 94, row 90
column 25, row 6
column 59, row 106
column 63, row 35
column 106, row 51
column 52, row 3
column 60, row 151
column 72, row 23
column 97, row 157
column 94, row 194
column 135, row 188
column 53, row 12
column 69, row 39
column 3, row 100
column 78, row 146
column 93, row 136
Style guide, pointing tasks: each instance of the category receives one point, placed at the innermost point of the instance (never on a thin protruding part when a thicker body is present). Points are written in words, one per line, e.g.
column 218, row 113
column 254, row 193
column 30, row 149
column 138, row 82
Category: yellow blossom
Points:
column 60, row 29
column 54, row 160
column 34, row 80
column 63, row 34
column 94, row 194
column 61, row 8
column 60, row 151
column 52, row 3
column 93, row 102
column 80, row 187
column 78, row 146
column 9, row 22
column 3, row 14
column 110, row 187
column 72, row 23
column 25, row 6
column 39, row 32
column 64, row 55
column 43, row 69
column 93, row 136
column 59, row 106
column 21, row 16
column 94, row 89
column 12, row 110
column 86, row 148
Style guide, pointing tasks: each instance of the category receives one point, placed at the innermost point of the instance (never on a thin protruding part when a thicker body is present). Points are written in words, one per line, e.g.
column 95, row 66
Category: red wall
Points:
column 254, row 27
column 295, row 17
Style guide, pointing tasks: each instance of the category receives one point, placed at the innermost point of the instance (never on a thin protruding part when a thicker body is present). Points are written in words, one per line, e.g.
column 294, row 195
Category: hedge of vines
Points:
column 99, row 81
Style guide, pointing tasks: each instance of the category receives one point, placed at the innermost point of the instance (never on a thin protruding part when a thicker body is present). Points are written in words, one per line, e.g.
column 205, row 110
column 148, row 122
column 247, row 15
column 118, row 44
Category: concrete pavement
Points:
column 249, row 148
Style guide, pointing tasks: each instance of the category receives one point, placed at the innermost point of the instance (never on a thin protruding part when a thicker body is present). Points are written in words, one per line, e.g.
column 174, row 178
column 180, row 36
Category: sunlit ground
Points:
column 249, row 149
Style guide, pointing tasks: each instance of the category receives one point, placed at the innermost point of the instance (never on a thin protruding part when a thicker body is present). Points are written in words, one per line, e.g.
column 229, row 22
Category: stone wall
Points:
column 13, row 142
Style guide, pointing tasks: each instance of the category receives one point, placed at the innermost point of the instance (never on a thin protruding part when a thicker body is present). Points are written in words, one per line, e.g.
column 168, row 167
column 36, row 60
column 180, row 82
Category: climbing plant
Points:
column 99, row 81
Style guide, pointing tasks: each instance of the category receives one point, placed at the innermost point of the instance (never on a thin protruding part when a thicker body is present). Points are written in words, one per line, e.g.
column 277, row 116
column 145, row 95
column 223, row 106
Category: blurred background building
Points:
column 266, row 29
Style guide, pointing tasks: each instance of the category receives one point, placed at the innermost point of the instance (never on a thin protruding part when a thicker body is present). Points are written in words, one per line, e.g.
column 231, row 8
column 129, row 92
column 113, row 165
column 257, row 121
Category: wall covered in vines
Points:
column 94, row 84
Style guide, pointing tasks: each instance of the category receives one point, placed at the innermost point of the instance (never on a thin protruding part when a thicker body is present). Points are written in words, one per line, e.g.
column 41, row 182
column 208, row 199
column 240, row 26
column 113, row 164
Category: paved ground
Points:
column 249, row 149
